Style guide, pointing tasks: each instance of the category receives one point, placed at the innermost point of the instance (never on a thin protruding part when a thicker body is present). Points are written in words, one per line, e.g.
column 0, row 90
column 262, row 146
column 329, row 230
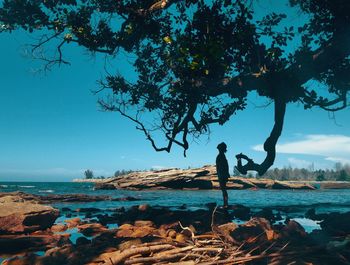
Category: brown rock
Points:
column 141, row 223
column 293, row 229
column 20, row 216
column 124, row 232
column 59, row 228
column 74, row 222
column 142, row 231
column 18, row 243
column 256, row 229
column 198, row 178
column 91, row 229
column 246, row 184
column 229, row 227
column 144, row 207
column 285, row 185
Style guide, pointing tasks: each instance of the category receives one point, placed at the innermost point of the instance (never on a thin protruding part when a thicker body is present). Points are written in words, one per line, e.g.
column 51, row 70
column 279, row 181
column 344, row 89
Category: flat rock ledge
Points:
column 204, row 178
column 18, row 215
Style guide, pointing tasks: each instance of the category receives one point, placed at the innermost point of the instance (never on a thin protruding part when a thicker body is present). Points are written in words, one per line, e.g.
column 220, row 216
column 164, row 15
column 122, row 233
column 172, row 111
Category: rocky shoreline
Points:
column 144, row 234
column 204, row 178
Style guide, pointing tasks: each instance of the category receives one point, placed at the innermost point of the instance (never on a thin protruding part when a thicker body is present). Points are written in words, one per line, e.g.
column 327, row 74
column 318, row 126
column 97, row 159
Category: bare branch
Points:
column 269, row 145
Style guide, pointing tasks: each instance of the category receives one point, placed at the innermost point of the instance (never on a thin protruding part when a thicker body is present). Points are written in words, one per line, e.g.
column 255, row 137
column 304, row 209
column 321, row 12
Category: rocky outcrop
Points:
column 20, row 216
column 55, row 198
column 199, row 178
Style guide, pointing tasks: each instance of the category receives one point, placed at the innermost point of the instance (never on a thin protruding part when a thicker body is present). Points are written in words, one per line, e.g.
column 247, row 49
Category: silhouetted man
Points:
column 222, row 171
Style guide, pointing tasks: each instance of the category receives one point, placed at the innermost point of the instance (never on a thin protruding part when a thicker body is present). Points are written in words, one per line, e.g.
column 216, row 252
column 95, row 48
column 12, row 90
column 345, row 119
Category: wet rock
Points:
column 59, row 228
column 30, row 259
column 143, row 207
column 128, row 230
column 255, row 230
column 82, row 241
column 267, row 214
column 127, row 199
column 88, row 210
column 91, row 229
column 32, row 242
column 20, row 216
column 337, row 224
column 226, row 230
column 74, row 222
column 293, row 230
column 240, row 211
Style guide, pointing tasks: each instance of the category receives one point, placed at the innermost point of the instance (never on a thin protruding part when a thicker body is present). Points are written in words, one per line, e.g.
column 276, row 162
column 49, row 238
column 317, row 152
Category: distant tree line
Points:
column 122, row 172
column 339, row 173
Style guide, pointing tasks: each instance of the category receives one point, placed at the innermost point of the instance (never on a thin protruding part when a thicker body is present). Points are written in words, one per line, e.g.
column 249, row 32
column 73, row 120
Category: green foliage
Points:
column 122, row 172
column 89, row 174
column 320, row 178
column 341, row 173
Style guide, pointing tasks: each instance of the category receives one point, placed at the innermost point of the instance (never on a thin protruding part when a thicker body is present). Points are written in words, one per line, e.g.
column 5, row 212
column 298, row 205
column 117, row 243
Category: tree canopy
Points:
column 197, row 61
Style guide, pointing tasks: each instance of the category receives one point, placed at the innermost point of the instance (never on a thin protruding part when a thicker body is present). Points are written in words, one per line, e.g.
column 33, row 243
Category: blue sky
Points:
column 51, row 128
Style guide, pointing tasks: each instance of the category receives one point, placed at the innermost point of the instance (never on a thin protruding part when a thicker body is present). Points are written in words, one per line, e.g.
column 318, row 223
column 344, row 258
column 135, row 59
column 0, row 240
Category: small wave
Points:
column 46, row 191
column 3, row 186
column 28, row 187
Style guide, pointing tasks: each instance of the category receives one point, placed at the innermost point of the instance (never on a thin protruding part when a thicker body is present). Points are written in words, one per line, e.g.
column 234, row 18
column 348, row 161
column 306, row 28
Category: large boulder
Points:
column 20, row 216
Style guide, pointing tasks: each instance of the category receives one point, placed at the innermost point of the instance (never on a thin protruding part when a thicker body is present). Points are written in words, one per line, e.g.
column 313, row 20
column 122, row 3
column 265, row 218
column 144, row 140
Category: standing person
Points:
column 222, row 171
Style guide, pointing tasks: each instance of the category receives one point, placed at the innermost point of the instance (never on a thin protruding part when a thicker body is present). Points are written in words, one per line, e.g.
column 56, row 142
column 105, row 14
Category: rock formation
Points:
column 20, row 216
column 199, row 178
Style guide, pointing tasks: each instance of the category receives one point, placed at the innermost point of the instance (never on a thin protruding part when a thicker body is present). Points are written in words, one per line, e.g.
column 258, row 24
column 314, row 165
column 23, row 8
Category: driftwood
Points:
column 118, row 259
column 214, row 248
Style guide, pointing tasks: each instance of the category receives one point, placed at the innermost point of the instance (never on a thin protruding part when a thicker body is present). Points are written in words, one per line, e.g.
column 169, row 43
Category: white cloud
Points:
column 332, row 147
column 299, row 163
column 338, row 159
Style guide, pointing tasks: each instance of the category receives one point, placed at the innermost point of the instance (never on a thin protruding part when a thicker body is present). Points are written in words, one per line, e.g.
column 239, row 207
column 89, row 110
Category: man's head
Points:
column 222, row 147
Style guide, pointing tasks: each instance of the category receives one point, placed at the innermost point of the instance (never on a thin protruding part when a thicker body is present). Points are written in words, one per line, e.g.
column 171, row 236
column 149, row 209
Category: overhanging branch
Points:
column 269, row 145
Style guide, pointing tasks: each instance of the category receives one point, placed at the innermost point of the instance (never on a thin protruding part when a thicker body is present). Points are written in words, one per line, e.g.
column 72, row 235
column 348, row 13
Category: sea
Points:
column 291, row 204
column 323, row 200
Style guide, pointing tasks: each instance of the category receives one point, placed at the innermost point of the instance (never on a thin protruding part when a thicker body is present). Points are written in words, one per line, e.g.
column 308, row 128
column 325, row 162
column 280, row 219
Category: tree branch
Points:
column 269, row 145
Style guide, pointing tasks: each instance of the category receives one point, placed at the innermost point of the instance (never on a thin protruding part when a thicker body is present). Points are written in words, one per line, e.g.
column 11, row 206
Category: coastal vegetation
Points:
column 339, row 173
column 88, row 174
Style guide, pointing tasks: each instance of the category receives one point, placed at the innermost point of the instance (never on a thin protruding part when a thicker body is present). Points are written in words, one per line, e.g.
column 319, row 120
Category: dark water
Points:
column 322, row 200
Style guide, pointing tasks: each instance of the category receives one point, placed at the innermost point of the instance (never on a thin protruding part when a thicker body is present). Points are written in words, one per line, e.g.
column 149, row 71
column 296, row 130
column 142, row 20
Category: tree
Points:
column 320, row 178
column 89, row 174
column 342, row 176
column 198, row 60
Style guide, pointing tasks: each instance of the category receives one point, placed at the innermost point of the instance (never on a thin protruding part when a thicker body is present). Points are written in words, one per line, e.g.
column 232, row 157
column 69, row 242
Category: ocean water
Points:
column 324, row 200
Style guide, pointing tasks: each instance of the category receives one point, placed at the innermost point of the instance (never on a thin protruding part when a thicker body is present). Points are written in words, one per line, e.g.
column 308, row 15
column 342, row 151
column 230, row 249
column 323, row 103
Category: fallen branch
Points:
column 136, row 251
